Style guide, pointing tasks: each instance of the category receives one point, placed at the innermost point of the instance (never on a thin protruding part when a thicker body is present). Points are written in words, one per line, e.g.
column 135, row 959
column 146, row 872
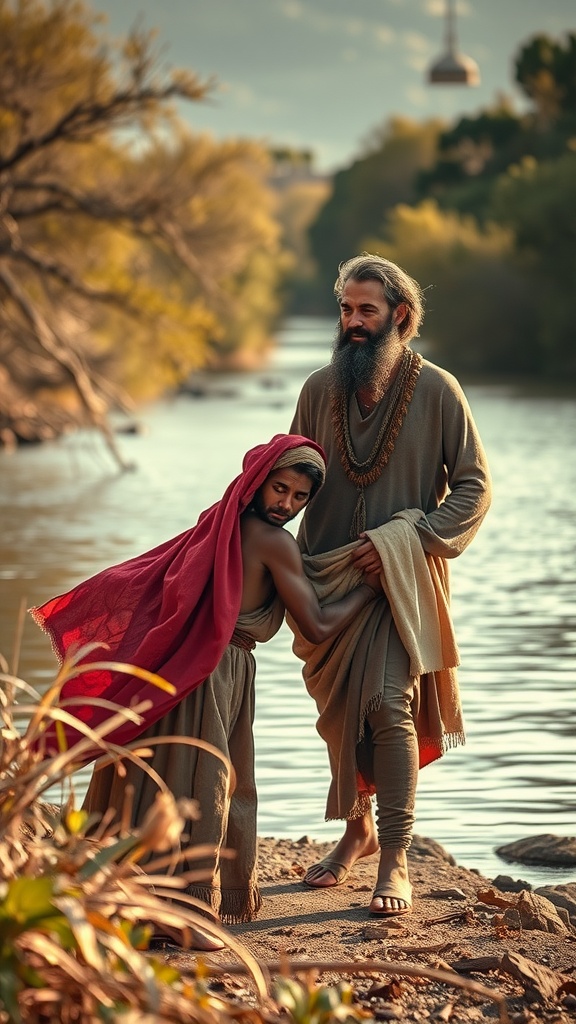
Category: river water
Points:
column 66, row 513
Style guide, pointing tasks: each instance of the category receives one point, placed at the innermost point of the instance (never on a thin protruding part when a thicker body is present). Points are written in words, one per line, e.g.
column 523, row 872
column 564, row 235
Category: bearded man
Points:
column 407, row 487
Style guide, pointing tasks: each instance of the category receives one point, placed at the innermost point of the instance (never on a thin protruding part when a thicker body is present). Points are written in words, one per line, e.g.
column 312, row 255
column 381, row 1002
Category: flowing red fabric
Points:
column 171, row 610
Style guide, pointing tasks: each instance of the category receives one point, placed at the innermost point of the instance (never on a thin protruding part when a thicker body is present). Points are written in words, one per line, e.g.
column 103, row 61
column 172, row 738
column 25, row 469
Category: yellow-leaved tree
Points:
column 131, row 251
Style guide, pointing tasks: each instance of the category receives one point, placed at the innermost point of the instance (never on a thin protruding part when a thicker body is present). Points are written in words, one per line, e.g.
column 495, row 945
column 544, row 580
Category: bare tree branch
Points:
column 85, row 119
column 68, row 359
column 118, row 258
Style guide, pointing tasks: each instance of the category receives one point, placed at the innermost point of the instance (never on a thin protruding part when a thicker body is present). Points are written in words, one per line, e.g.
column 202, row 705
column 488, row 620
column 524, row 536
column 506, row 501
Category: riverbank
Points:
column 456, row 926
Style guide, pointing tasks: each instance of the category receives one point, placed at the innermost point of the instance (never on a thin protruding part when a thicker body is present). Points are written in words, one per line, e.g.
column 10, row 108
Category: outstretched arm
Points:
column 283, row 560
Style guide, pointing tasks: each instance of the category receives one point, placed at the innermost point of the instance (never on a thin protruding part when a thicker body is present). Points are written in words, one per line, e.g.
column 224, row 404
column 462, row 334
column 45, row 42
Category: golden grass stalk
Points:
column 77, row 908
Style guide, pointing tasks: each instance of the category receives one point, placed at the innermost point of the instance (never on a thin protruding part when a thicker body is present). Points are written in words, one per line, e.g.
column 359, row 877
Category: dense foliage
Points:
column 486, row 222
column 385, row 174
column 130, row 250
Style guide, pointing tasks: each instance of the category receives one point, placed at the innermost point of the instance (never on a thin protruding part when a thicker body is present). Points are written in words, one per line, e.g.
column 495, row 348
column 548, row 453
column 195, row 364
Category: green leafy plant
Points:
column 309, row 1003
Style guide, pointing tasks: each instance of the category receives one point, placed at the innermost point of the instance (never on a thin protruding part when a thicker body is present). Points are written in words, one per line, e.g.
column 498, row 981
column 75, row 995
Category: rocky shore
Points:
column 473, row 948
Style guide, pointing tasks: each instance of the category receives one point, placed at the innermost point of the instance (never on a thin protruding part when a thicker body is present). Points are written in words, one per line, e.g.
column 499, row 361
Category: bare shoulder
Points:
column 263, row 538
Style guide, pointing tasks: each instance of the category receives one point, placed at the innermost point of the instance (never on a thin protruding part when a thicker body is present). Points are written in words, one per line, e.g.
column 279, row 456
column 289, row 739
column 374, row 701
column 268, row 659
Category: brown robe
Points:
column 416, row 596
column 221, row 712
column 439, row 470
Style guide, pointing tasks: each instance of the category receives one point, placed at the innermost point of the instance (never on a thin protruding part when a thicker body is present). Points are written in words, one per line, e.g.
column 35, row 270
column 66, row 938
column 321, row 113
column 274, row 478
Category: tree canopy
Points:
column 482, row 213
column 130, row 250
column 385, row 174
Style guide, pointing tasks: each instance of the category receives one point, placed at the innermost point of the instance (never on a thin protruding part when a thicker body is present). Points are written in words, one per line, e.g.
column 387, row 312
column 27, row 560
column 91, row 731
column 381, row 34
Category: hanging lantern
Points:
column 453, row 68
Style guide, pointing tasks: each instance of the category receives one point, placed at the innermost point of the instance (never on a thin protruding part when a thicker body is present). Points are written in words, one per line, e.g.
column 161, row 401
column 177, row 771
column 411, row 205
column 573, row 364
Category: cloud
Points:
column 244, row 97
column 354, row 26
column 416, row 43
column 419, row 50
column 418, row 96
column 384, row 34
column 335, row 25
column 434, row 8
column 417, row 61
column 437, row 8
column 292, row 9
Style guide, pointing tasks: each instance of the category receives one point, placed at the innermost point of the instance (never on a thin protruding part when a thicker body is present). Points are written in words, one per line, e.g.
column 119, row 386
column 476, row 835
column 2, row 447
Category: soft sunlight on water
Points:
column 66, row 514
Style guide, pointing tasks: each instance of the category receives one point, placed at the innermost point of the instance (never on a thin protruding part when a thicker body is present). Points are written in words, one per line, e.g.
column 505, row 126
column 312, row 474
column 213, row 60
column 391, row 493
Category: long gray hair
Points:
column 398, row 287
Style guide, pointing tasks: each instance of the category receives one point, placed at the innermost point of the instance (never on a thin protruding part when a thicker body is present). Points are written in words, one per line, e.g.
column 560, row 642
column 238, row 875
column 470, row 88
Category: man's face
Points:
column 367, row 336
column 282, row 496
column 364, row 313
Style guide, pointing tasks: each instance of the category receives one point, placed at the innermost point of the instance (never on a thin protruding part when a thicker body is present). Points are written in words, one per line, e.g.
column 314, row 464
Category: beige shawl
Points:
column 337, row 672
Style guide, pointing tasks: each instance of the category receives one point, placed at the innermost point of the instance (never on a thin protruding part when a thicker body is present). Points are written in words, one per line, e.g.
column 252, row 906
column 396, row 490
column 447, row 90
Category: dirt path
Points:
column 449, row 927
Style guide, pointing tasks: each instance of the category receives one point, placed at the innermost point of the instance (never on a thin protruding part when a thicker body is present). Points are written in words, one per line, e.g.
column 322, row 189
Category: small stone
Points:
column 447, row 894
column 387, row 1011
column 381, row 932
column 507, row 884
column 297, row 869
column 562, row 896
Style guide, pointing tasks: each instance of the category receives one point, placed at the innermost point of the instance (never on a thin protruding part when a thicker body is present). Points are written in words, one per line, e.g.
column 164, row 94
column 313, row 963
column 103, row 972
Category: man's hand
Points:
column 374, row 582
column 365, row 556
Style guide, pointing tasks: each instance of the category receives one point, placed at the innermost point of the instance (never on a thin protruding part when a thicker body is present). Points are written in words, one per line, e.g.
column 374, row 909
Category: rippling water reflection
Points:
column 66, row 514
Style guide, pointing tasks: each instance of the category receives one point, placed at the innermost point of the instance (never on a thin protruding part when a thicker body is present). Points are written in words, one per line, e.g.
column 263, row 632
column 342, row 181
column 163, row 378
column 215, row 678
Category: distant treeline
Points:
column 483, row 213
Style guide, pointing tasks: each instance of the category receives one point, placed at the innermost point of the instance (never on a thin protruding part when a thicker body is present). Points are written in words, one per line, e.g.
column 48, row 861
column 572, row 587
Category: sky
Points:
column 324, row 75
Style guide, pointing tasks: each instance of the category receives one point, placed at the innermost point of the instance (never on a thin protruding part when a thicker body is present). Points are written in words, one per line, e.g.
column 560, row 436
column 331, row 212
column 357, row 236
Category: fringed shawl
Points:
column 337, row 673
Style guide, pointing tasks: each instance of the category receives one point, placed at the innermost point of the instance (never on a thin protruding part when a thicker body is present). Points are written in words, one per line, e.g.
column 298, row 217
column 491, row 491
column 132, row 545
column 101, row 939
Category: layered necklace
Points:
column 366, row 472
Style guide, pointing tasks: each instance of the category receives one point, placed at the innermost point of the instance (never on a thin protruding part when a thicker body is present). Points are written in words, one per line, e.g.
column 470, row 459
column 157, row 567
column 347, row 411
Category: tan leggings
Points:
column 392, row 738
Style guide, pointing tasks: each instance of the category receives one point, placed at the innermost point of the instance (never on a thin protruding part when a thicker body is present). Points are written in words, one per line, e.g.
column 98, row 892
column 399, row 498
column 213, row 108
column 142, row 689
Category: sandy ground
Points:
column 450, row 925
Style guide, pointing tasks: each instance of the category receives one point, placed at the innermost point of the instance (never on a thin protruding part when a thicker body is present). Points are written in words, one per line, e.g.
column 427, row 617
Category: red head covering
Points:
column 171, row 610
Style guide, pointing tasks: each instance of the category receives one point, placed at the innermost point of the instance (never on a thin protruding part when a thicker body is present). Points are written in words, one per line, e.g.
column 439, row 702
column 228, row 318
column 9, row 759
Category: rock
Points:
column 563, row 896
column 387, row 1011
column 540, row 983
column 371, row 933
column 476, row 964
column 505, row 883
column 422, row 846
column 543, row 849
column 447, row 894
column 526, row 910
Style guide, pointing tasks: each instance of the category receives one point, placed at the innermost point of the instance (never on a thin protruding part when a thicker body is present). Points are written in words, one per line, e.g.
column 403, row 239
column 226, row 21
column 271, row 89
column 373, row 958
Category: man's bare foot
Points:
column 195, row 939
column 359, row 840
column 393, row 893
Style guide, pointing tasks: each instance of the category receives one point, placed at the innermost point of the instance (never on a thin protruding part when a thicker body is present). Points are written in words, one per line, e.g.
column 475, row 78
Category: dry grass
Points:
column 77, row 911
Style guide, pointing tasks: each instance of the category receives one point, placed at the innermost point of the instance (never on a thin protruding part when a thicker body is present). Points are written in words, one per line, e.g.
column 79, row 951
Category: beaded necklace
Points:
column 366, row 472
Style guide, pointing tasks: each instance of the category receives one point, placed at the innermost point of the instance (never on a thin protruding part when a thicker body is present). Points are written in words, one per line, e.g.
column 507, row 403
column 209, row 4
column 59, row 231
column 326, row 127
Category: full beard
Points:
column 265, row 513
column 362, row 365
